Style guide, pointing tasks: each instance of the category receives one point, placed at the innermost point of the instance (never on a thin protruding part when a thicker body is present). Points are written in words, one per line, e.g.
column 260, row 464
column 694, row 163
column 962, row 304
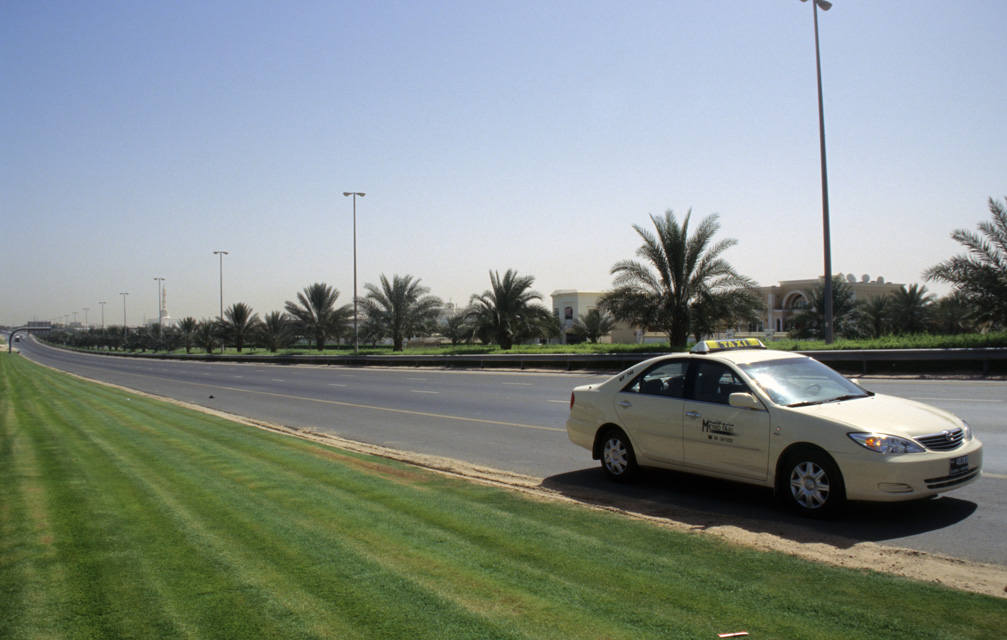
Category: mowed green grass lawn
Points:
column 125, row 517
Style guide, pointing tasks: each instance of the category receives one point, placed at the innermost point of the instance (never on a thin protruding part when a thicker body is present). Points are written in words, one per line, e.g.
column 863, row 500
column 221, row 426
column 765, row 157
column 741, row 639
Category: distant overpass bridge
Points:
column 26, row 330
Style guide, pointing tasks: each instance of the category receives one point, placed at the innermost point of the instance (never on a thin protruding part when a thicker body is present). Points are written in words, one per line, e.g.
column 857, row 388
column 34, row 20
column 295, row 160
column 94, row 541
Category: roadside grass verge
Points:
column 122, row 516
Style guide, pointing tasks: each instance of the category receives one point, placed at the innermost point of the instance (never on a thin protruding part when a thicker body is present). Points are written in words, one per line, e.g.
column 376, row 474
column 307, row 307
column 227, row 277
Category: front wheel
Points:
column 812, row 484
column 617, row 458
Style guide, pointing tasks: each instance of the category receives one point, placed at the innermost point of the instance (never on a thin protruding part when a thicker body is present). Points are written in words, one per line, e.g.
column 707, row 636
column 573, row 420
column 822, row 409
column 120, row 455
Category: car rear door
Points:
column 651, row 409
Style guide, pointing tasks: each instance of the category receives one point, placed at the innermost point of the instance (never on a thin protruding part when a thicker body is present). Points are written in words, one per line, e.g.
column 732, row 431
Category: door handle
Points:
column 693, row 414
column 625, row 404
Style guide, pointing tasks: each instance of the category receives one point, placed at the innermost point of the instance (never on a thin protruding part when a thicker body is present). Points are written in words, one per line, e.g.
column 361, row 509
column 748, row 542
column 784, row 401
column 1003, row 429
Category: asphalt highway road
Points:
column 515, row 422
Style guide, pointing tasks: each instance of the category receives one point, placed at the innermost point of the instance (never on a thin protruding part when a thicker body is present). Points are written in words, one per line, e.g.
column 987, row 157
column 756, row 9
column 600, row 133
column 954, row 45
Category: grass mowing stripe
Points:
column 29, row 575
column 248, row 532
column 308, row 541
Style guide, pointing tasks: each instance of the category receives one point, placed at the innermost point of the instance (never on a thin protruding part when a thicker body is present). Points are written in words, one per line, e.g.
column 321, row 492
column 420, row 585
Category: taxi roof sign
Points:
column 709, row 346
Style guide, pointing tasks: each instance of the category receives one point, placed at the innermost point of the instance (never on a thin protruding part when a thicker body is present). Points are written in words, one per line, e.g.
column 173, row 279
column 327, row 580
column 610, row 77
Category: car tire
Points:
column 617, row 457
column 812, row 485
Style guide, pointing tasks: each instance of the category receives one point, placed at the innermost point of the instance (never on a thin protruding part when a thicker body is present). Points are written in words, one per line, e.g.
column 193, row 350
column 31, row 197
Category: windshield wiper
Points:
column 847, row 397
column 809, row 403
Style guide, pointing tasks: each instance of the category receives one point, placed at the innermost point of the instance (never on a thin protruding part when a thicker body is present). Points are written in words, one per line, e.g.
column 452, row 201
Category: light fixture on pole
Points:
column 356, row 339
column 221, row 254
column 827, row 240
column 123, row 294
column 159, row 281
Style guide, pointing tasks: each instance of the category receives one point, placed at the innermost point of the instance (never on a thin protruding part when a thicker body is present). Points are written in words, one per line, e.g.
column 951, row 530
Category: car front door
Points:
column 651, row 409
column 718, row 437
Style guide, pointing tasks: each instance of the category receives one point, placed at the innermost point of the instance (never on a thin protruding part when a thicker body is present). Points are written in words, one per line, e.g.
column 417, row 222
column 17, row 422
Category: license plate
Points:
column 959, row 465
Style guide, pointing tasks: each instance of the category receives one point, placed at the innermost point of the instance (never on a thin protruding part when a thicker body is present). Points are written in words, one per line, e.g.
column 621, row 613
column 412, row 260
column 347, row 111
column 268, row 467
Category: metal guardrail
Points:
column 877, row 360
column 981, row 357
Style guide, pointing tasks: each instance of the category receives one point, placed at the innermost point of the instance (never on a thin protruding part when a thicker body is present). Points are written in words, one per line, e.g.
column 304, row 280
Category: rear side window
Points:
column 665, row 379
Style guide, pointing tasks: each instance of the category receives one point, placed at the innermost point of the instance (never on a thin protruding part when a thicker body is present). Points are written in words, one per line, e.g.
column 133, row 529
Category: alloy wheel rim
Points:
column 809, row 485
column 616, row 456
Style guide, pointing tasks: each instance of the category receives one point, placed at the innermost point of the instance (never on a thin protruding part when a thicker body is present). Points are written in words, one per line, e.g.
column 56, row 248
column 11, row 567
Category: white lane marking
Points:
column 435, row 393
column 517, row 384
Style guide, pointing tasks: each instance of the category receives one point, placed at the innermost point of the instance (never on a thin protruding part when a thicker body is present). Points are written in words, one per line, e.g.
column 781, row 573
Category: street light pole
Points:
column 221, row 254
column 356, row 339
column 123, row 294
column 102, row 316
column 86, row 309
column 159, row 281
column 827, row 240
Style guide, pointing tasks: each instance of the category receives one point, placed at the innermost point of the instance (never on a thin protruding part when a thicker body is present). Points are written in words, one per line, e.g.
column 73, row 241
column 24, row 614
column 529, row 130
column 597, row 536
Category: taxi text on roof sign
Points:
column 709, row 346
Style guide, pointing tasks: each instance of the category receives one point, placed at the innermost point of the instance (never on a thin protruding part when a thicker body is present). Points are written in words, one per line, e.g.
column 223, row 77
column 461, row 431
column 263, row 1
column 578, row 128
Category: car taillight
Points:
column 571, row 400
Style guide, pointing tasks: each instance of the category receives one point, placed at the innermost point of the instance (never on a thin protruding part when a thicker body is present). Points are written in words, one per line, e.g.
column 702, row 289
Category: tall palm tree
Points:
column 239, row 324
column 506, row 313
column 316, row 316
column 403, row 307
column 680, row 276
column 911, row 309
column 979, row 277
column 593, row 325
column 187, row 326
column 276, row 332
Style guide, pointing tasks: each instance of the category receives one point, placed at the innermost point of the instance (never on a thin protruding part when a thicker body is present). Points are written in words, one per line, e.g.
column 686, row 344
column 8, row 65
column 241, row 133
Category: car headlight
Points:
column 886, row 444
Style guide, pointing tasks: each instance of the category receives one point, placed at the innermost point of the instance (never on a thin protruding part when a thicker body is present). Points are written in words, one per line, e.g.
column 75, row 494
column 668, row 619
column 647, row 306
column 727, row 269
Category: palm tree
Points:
column 911, row 309
column 316, row 316
column 979, row 278
column 877, row 315
column 952, row 316
column 593, row 325
column 275, row 331
column 457, row 329
column 680, row 275
column 206, row 335
column 239, row 324
column 846, row 315
column 402, row 306
column 506, row 312
column 188, row 326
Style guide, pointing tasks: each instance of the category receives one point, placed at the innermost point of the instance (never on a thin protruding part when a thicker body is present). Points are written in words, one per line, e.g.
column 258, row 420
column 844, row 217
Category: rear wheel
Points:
column 617, row 457
column 812, row 484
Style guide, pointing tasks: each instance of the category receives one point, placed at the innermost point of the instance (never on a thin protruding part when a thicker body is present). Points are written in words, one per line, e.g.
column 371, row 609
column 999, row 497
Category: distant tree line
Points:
column 680, row 285
column 977, row 302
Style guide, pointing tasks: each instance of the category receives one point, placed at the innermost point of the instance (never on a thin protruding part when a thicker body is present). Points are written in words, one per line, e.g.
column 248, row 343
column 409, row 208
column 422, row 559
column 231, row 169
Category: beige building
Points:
column 781, row 301
column 784, row 300
column 570, row 304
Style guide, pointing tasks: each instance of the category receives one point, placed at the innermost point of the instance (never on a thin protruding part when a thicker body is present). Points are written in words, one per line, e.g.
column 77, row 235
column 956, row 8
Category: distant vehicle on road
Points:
column 733, row 409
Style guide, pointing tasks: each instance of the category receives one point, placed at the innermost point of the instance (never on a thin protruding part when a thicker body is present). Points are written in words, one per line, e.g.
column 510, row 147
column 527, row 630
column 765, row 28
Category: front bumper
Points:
column 872, row 476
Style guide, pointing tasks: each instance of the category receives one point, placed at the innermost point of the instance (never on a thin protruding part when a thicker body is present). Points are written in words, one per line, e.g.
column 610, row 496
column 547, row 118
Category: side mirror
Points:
column 745, row 401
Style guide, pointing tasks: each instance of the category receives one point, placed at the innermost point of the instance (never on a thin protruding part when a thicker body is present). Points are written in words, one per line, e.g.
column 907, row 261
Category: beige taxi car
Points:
column 736, row 410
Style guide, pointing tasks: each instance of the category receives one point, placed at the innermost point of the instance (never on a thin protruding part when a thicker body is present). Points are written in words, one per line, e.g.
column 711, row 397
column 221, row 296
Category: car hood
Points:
column 886, row 414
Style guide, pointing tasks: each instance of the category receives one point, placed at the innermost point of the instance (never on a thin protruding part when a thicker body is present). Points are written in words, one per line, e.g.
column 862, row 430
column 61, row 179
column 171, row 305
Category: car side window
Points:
column 715, row 383
column 666, row 379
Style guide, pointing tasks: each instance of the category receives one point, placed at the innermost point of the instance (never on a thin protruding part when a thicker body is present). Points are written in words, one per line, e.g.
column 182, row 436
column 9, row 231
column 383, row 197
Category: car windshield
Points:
column 796, row 382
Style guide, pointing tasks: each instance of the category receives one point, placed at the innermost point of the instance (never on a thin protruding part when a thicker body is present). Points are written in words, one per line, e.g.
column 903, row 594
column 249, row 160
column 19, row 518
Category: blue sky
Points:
column 140, row 137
